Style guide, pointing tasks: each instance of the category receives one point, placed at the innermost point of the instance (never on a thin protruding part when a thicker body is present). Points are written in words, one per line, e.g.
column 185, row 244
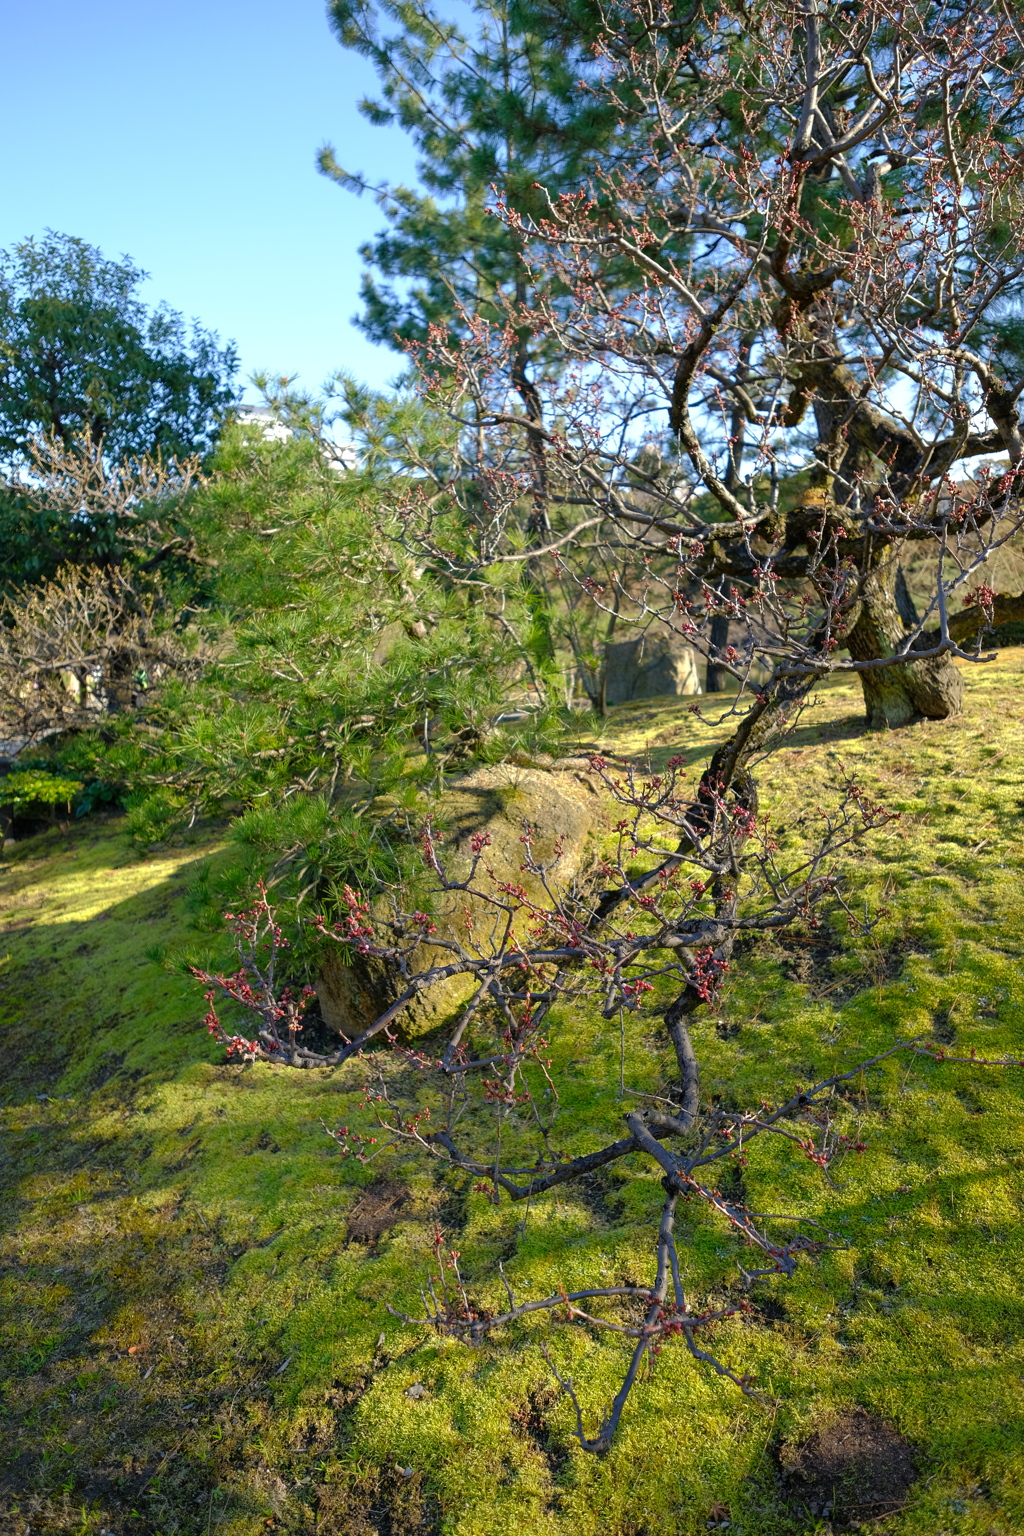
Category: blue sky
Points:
column 185, row 134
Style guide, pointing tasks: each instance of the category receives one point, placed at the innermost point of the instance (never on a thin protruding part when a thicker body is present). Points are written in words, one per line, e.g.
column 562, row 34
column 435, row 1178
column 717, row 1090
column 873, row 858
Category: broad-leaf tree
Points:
column 81, row 355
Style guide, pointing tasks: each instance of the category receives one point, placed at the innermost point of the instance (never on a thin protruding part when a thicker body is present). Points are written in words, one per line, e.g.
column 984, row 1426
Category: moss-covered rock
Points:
column 560, row 806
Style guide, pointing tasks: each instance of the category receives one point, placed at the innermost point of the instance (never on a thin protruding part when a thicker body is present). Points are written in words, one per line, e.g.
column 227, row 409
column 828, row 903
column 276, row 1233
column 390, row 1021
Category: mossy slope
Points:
column 193, row 1345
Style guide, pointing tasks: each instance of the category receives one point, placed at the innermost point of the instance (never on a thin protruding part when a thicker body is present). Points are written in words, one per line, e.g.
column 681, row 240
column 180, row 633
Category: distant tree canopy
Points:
column 81, row 355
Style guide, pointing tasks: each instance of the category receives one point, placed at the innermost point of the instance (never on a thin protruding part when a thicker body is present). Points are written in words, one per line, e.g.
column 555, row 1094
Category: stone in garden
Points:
column 498, row 800
column 650, row 665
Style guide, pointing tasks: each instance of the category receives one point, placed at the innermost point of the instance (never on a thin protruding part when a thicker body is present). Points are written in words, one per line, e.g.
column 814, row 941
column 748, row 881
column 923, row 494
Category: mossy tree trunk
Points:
column 905, row 691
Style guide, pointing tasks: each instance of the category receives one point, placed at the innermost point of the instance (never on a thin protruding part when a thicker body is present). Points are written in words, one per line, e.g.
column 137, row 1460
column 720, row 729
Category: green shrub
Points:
column 29, row 787
column 339, row 673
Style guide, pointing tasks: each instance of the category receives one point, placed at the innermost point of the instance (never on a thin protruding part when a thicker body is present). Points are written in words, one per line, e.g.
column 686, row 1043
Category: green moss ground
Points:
column 192, row 1345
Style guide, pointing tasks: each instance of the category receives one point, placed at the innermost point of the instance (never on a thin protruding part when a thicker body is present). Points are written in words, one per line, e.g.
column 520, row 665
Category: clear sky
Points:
column 185, row 134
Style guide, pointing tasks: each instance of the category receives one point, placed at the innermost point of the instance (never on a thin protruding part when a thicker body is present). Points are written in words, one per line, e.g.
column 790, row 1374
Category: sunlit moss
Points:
column 189, row 1334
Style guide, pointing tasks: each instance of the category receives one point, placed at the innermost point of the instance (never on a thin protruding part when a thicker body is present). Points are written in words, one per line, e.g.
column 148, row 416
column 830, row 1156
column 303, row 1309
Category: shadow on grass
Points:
column 149, row 1357
column 693, row 741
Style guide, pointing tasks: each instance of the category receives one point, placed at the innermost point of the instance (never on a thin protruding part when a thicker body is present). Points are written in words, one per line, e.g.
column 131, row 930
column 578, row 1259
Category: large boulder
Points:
column 556, row 803
column 655, row 663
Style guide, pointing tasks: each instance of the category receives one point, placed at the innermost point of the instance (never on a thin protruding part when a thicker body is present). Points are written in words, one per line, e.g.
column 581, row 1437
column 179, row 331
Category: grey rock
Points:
column 656, row 663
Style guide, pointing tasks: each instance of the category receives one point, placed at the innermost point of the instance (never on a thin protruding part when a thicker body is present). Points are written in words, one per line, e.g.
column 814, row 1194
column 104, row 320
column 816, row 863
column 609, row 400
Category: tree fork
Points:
column 895, row 695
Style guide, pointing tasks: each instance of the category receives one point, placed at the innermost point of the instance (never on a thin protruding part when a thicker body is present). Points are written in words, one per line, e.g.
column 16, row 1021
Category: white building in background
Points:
column 271, row 428
column 342, row 458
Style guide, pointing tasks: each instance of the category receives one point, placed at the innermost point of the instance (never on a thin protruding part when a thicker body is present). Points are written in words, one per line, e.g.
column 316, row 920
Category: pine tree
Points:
column 811, row 283
column 495, row 108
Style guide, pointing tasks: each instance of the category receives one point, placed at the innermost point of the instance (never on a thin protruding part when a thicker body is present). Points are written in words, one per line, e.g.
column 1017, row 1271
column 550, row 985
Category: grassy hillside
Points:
column 194, row 1330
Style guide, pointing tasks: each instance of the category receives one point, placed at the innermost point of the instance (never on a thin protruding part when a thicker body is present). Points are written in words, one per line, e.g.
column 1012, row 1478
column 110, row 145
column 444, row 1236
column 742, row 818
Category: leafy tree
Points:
column 81, row 355
column 492, row 103
column 340, row 680
column 491, row 100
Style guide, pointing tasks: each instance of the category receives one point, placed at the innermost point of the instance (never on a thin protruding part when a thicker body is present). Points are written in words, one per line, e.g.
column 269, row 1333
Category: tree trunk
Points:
column 718, row 677
column 895, row 695
column 6, row 806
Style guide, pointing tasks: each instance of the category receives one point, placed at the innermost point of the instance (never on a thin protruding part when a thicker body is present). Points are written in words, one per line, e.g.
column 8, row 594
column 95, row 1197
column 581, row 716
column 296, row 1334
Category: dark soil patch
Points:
column 769, row 1310
column 896, row 955
column 531, row 1421
column 943, row 1027
column 376, row 1501
column 453, row 1200
column 378, row 1209
column 602, row 1195
column 731, row 1182
column 801, row 957
column 856, row 1468
column 808, row 960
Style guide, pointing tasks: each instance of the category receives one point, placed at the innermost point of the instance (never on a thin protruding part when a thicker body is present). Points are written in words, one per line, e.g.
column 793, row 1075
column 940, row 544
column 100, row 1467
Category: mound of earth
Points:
column 559, row 805
column 855, row 1468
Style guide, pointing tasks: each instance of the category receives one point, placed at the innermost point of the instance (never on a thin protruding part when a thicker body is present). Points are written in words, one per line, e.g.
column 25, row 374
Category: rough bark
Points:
column 897, row 694
column 906, row 691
